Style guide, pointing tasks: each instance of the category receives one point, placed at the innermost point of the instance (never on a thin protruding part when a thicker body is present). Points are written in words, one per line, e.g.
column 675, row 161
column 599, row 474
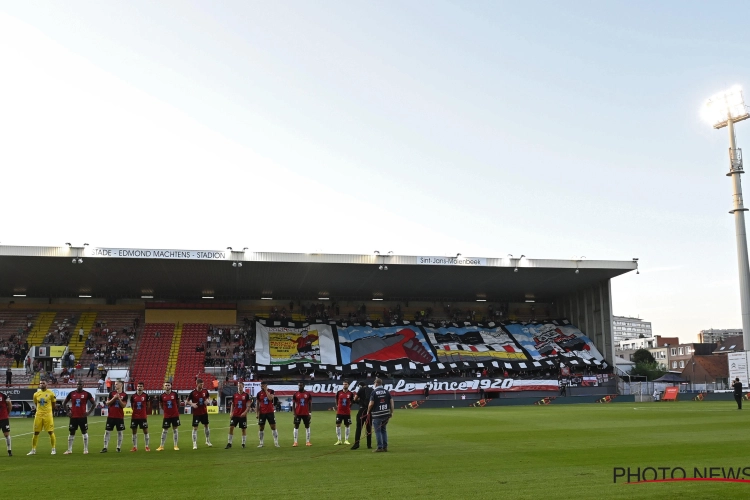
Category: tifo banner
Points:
column 473, row 343
column 415, row 387
column 277, row 344
column 358, row 343
column 425, row 348
column 553, row 340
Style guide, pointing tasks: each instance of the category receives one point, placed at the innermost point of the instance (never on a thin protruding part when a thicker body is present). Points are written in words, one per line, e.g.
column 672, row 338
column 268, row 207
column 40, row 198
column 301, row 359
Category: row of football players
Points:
column 80, row 404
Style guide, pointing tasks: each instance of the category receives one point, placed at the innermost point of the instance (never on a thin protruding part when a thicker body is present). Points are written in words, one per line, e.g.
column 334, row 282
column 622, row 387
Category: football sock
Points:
column 346, row 433
column 86, row 442
column 260, row 436
column 70, row 442
column 244, row 439
column 106, row 439
column 34, row 441
column 163, row 437
column 275, row 436
column 338, row 433
column 207, row 432
column 175, row 437
column 146, row 438
column 7, row 442
column 119, row 439
column 195, row 437
column 135, row 440
column 52, row 439
column 229, row 438
column 307, row 434
column 296, row 433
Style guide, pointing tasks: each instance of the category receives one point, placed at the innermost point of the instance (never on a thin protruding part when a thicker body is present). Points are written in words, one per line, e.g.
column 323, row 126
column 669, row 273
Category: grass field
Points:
column 510, row 452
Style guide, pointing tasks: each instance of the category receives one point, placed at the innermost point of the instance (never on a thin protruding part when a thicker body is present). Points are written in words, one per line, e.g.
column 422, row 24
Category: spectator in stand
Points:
column 8, row 376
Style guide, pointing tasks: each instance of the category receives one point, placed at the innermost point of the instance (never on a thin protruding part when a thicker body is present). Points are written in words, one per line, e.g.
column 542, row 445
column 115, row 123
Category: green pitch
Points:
column 493, row 452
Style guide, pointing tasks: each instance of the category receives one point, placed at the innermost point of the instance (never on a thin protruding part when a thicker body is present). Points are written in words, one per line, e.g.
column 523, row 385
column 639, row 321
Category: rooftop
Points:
column 236, row 275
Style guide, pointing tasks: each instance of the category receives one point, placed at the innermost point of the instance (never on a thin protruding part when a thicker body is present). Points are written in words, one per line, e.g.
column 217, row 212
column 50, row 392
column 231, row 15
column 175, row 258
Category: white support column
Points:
column 738, row 209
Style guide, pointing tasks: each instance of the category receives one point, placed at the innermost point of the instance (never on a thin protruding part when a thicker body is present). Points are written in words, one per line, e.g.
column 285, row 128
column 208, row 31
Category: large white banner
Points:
column 151, row 253
column 415, row 387
column 738, row 363
column 452, row 261
column 283, row 345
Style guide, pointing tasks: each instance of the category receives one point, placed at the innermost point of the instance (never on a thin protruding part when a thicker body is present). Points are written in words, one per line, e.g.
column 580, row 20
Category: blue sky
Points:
column 540, row 128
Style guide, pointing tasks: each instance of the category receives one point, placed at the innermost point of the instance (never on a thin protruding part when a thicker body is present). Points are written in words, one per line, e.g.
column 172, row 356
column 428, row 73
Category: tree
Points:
column 642, row 356
column 651, row 371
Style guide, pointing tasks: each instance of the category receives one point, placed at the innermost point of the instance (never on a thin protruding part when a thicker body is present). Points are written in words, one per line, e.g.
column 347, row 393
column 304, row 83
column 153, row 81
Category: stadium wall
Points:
column 590, row 309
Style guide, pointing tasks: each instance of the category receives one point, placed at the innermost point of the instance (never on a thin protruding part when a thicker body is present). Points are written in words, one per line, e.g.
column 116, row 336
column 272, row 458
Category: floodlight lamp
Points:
column 376, row 252
column 724, row 106
column 229, row 248
column 74, row 261
column 80, row 261
column 577, row 271
column 69, row 244
column 234, row 264
column 385, row 268
column 239, row 264
column 380, row 267
column 515, row 270
column 85, row 244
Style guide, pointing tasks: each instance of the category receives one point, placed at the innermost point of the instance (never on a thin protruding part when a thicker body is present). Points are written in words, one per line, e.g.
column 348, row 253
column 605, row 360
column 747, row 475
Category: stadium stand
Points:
column 150, row 365
column 110, row 330
column 14, row 331
column 190, row 363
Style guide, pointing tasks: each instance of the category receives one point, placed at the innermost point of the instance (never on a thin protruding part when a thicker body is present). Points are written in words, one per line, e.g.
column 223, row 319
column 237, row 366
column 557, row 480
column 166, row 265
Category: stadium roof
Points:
column 192, row 274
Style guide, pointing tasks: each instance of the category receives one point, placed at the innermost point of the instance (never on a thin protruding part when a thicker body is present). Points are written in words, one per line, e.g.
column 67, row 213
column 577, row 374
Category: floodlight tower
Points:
column 724, row 110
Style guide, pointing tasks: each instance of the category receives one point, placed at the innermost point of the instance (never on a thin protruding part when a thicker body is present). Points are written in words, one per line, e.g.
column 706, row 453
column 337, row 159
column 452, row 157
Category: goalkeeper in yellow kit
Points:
column 44, row 399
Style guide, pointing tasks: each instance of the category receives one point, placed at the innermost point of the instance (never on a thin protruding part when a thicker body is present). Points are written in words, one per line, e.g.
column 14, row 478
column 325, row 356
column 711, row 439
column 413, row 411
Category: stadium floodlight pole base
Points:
column 738, row 210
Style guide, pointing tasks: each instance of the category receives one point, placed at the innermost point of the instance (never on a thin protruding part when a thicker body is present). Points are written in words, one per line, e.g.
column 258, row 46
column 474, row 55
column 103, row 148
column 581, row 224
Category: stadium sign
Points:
column 452, row 261
column 738, row 367
column 151, row 253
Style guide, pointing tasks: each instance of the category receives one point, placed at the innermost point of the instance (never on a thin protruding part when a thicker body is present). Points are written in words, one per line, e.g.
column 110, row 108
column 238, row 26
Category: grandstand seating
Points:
column 150, row 364
column 174, row 350
column 189, row 362
column 14, row 322
column 85, row 321
column 41, row 327
column 117, row 321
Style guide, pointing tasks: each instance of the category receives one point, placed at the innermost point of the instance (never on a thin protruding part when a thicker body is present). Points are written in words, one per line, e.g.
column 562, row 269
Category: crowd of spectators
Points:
column 109, row 346
column 230, row 347
column 14, row 348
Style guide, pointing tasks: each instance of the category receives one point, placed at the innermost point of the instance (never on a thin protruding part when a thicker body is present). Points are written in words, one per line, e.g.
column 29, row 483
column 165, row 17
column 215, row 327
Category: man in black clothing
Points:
column 737, row 386
column 363, row 399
